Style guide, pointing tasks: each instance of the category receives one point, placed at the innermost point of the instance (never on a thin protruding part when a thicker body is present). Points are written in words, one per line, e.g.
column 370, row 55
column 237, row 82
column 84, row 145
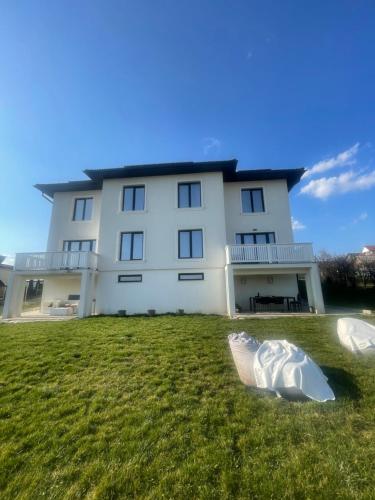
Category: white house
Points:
column 202, row 237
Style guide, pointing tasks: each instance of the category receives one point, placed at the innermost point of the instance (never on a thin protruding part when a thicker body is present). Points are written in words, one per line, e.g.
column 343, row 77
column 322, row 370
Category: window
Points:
column 129, row 278
column 254, row 238
column 190, row 244
column 131, row 247
column 83, row 208
column 189, row 194
column 133, row 198
column 252, row 200
column 79, row 246
column 190, row 276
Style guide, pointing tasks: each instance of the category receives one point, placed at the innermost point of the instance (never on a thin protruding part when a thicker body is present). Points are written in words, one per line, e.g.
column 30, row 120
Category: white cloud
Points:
column 361, row 217
column 343, row 159
column 211, row 144
column 325, row 187
column 297, row 225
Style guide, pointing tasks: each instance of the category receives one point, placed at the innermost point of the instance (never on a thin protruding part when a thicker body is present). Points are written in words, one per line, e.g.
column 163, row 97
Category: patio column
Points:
column 314, row 289
column 317, row 289
column 229, row 289
column 14, row 296
column 85, row 299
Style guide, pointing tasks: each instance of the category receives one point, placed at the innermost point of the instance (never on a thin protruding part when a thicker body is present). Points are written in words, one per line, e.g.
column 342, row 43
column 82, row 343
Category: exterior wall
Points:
column 249, row 286
column 161, row 290
column 160, row 221
column 62, row 225
column 4, row 274
column 276, row 217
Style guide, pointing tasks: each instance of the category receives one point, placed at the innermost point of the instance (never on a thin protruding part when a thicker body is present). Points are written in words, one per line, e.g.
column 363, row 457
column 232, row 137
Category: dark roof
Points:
column 153, row 169
column 291, row 175
column 227, row 167
column 61, row 187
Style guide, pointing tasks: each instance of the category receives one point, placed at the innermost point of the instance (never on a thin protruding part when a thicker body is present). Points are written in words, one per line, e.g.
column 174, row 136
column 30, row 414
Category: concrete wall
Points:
column 162, row 291
column 276, row 217
column 62, row 225
column 4, row 274
column 248, row 286
column 160, row 222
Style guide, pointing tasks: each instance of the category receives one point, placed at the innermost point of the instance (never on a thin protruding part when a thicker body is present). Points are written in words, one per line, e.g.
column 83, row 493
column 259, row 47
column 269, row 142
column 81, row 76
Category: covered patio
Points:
column 273, row 288
column 69, row 284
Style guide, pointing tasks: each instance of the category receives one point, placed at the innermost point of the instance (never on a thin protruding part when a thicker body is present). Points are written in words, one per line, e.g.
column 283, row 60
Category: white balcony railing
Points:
column 55, row 261
column 269, row 254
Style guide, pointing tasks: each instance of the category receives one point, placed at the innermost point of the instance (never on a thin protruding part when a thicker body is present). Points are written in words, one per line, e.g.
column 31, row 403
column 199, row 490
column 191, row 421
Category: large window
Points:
column 79, row 246
column 131, row 247
column 82, row 208
column 190, row 244
column 252, row 200
column 189, row 194
column 133, row 198
column 254, row 238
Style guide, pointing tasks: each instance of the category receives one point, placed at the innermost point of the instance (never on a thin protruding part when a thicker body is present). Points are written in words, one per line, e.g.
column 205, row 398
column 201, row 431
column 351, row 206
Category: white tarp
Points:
column 280, row 365
column 243, row 350
column 356, row 335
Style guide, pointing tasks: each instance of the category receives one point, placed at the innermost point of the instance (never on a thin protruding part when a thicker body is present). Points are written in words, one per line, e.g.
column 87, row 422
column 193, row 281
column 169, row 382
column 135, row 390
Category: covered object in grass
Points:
column 287, row 370
column 356, row 335
column 243, row 348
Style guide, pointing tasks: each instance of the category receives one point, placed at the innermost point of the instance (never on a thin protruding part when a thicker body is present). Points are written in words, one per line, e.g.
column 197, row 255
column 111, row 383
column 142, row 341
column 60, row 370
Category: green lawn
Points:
column 152, row 408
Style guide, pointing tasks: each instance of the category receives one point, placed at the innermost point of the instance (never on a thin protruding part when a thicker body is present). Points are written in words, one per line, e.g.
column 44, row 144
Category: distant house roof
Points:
column 369, row 248
column 227, row 167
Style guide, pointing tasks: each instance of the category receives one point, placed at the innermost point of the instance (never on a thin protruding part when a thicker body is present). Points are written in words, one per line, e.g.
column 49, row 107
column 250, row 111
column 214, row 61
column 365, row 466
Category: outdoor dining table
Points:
column 270, row 299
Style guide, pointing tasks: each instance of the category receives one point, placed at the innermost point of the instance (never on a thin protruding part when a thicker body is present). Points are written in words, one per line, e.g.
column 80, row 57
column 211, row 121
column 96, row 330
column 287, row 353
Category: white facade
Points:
column 227, row 284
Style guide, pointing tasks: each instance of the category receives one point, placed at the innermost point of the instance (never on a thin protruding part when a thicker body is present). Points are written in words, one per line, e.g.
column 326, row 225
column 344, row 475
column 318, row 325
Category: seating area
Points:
column 273, row 303
column 61, row 307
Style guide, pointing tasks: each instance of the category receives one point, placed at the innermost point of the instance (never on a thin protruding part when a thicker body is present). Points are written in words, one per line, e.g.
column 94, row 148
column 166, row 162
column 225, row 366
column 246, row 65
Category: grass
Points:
column 151, row 408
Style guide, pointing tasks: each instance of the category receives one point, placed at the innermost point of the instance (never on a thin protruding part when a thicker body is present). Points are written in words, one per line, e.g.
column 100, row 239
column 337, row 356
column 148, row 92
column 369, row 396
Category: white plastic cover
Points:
column 243, row 348
column 356, row 335
column 279, row 365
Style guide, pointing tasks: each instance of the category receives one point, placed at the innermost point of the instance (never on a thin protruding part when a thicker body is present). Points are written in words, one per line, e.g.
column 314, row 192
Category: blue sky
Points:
column 276, row 84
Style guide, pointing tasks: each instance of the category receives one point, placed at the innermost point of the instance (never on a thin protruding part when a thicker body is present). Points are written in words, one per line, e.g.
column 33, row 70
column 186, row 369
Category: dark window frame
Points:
column 189, row 184
column 266, row 233
column 190, row 231
column 119, row 280
column 84, row 208
column 191, row 274
column 251, row 190
column 132, row 233
column 134, row 187
column 92, row 243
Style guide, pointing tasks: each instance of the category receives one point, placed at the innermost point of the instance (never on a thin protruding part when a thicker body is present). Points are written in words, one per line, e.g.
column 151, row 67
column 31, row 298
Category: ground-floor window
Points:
column 129, row 278
column 79, row 246
column 254, row 238
column 190, row 276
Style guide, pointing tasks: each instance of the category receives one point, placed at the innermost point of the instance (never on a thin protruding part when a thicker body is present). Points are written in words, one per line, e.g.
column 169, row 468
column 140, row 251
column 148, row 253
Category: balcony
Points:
column 293, row 253
column 55, row 261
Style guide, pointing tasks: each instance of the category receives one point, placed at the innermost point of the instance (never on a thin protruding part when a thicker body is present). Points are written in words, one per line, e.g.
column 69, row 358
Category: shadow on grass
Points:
column 342, row 383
